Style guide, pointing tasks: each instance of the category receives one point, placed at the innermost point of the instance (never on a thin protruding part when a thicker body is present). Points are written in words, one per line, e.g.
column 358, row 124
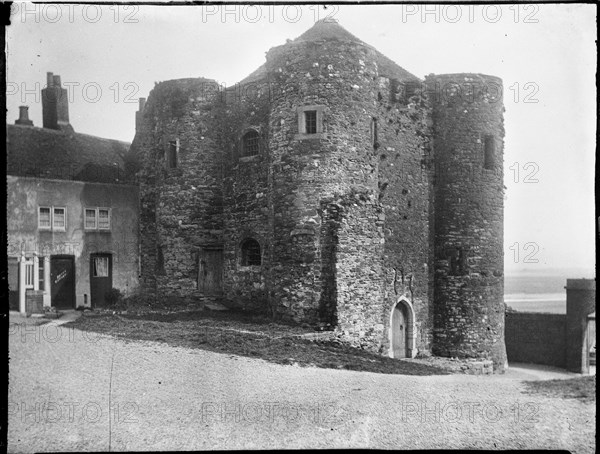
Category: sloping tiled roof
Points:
column 49, row 153
column 331, row 30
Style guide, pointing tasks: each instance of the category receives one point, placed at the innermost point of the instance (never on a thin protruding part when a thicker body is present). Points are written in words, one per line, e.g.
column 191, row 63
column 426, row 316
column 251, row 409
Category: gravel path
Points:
column 168, row 398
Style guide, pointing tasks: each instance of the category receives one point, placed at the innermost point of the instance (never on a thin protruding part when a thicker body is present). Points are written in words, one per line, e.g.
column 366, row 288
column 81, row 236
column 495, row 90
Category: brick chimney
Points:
column 55, row 105
column 24, row 116
column 139, row 113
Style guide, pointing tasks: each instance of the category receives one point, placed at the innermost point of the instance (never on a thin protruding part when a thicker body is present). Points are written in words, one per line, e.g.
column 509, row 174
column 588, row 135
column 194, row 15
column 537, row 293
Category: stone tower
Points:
column 468, row 196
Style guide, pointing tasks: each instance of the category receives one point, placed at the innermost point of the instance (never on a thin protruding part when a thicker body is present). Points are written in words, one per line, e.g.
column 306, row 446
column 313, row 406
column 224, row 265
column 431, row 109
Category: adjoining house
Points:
column 72, row 212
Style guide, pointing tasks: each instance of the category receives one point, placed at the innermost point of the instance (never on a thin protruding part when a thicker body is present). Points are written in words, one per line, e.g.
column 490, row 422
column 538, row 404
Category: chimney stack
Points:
column 139, row 113
column 55, row 105
column 24, row 116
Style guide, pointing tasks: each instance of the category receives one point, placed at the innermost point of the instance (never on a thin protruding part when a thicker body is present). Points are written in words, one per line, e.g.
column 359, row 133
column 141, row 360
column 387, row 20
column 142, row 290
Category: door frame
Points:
column 74, row 295
column 411, row 335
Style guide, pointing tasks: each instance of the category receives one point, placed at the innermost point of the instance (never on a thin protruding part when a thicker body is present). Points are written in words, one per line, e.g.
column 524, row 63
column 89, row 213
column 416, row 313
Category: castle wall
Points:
column 180, row 207
column 246, row 196
column 469, row 268
column 403, row 145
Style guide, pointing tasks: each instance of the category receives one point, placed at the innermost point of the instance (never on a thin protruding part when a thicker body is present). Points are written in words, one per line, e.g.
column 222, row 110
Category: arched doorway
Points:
column 402, row 344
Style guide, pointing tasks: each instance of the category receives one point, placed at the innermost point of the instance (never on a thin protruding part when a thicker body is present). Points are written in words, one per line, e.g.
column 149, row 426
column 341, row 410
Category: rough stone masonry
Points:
column 332, row 188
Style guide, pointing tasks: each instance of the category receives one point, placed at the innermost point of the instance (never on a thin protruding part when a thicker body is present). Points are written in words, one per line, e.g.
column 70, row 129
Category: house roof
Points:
column 48, row 153
column 328, row 29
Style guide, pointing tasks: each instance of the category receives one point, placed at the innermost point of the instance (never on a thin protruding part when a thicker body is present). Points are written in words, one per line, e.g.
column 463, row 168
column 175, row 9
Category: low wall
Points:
column 536, row 338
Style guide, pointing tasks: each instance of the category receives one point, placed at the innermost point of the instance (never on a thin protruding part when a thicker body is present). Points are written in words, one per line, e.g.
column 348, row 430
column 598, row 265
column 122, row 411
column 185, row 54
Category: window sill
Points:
column 249, row 268
column 318, row 135
column 249, row 158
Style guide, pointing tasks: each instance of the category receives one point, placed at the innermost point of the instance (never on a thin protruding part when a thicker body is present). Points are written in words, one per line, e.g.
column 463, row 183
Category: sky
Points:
column 109, row 56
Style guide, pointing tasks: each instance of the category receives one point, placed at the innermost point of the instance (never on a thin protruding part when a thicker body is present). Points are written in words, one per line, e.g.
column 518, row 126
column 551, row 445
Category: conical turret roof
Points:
column 329, row 29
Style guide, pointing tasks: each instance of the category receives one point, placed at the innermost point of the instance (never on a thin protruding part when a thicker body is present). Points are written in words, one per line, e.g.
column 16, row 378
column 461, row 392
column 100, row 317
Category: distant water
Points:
column 539, row 292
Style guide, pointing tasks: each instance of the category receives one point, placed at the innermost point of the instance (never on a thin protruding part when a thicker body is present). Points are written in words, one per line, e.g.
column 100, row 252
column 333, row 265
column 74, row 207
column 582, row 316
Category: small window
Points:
column 59, row 219
column 489, row 151
column 91, row 222
column 250, row 143
column 44, row 218
column 29, row 275
column 103, row 219
column 100, row 267
column 310, row 121
column 172, row 155
column 251, row 252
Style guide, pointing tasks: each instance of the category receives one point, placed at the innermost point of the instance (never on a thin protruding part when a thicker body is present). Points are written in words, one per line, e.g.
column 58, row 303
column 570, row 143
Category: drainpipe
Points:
column 22, row 284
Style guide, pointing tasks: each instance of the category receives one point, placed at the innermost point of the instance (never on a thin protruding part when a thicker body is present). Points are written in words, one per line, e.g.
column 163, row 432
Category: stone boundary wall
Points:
column 536, row 338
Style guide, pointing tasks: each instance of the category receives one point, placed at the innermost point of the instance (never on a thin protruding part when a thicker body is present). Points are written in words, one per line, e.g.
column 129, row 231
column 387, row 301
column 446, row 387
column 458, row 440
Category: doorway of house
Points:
column 100, row 278
column 210, row 271
column 400, row 322
column 62, row 281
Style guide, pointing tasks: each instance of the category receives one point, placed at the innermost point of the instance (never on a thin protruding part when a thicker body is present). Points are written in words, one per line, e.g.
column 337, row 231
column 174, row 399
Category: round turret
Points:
column 323, row 87
column 469, row 194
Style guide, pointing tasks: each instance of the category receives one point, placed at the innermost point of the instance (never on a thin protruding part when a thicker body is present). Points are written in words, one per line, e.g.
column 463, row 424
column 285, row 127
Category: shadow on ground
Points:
column 580, row 388
column 250, row 336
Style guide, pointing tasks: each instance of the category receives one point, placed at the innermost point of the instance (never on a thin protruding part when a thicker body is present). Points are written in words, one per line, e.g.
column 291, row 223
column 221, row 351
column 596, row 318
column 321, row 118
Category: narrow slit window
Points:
column 310, row 121
column 172, row 155
column 489, row 150
column 251, row 253
column 374, row 136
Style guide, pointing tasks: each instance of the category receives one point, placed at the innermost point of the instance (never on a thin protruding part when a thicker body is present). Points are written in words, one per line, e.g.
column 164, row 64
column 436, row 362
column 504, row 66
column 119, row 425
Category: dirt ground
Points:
column 74, row 390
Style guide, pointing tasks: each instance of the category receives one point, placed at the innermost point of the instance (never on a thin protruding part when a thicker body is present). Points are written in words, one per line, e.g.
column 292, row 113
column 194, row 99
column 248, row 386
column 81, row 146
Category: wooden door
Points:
column 62, row 282
column 210, row 272
column 399, row 331
column 100, row 278
column 13, row 283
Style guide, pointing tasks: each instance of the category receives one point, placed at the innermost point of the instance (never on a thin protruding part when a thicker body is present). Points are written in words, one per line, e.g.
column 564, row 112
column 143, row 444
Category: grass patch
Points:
column 580, row 388
column 248, row 335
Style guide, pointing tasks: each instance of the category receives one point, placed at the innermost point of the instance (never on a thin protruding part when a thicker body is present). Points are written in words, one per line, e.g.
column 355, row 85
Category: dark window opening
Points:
column 250, row 252
column 489, row 151
column 310, row 121
column 374, row 134
column 458, row 262
column 250, row 143
column 172, row 155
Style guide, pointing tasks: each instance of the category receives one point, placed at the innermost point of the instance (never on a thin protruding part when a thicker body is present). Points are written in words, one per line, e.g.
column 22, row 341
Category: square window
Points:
column 90, row 218
column 103, row 219
column 44, row 218
column 59, row 219
column 310, row 121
